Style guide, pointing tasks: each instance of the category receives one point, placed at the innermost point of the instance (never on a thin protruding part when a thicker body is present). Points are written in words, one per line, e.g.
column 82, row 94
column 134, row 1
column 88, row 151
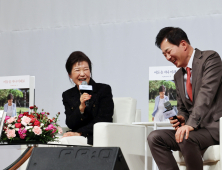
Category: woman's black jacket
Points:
column 100, row 109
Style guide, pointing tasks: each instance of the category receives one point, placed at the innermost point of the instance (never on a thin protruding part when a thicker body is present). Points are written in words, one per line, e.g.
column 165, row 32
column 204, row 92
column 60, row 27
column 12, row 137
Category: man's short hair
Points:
column 173, row 34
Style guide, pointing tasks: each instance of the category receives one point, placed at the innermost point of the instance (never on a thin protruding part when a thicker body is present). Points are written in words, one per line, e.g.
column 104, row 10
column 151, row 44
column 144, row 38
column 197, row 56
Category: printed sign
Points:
column 162, row 73
column 11, row 82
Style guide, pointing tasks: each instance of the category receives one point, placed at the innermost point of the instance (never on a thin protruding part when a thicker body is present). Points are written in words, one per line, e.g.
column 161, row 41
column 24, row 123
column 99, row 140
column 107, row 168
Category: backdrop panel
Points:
column 36, row 38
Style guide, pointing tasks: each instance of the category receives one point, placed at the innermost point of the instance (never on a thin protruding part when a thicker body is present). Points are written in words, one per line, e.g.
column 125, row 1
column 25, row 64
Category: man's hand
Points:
column 71, row 134
column 180, row 120
column 181, row 132
column 152, row 118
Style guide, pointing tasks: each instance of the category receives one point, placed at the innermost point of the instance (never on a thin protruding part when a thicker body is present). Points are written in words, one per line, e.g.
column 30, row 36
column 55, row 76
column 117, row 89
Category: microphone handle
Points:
column 87, row 103
column 175, row 117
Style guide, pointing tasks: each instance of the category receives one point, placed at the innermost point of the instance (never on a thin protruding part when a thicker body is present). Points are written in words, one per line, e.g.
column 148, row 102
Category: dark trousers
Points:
column 161, row 142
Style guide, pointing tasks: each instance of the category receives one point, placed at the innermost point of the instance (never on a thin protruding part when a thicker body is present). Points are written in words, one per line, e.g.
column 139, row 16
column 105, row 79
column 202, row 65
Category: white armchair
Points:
column 121, row 133
column 212, row 156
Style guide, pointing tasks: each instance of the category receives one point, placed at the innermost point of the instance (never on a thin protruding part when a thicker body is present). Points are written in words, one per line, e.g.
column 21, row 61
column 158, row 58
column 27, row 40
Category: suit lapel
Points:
column 195, row 70
column 181, row 82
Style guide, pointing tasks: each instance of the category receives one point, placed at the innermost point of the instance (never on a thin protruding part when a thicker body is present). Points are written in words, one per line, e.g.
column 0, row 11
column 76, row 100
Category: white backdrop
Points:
column 36, row 38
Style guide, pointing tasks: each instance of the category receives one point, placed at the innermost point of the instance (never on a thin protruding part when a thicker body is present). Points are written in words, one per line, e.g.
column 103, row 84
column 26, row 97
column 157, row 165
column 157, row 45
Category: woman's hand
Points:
column 83, row 98
column 71, row 134
column 152, row 118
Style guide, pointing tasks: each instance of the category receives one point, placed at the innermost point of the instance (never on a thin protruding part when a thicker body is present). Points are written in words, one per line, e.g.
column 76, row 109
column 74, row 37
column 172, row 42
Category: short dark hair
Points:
column 77, row 56
column 173, row 34
column 162, row 88
column 10, row 96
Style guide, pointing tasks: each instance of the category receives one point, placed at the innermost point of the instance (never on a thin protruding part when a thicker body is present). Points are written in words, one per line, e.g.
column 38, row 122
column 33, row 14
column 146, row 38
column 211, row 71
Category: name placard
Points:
column 85, row 87
column 169, row 114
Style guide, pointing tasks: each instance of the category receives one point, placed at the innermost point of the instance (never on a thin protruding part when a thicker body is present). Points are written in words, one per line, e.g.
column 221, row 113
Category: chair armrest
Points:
column 138, row 115
column 130, row 138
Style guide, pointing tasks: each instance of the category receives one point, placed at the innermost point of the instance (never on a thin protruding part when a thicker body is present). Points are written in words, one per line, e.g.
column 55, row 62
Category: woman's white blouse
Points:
column 159, row 114
column 9, row 111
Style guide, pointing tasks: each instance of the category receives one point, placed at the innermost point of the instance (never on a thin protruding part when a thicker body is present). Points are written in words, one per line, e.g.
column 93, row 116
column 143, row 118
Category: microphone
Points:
column 85, row 88
column 170, row 112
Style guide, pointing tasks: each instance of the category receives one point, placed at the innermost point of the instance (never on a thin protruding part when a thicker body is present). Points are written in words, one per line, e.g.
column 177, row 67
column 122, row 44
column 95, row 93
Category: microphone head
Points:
column 167, row 105
column 84, row 83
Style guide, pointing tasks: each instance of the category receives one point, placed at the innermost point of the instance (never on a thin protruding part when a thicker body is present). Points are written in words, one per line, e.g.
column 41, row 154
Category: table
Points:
column 155, row 126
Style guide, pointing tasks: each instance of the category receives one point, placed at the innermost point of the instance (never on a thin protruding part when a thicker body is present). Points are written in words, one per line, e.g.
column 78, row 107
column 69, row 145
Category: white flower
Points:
column 13, row 126
column 17, row 129
column 28, row 127
column 42, row 124
column 9, row 125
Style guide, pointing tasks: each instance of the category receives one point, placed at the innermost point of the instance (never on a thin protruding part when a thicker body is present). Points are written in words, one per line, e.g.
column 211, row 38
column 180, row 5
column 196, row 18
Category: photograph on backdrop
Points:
column 14, row 101
column 162, row 89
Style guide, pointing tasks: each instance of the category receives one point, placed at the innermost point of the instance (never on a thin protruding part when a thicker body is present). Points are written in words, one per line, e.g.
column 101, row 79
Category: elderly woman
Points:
column 159, row 106
column 10, row 107
column 79, row 117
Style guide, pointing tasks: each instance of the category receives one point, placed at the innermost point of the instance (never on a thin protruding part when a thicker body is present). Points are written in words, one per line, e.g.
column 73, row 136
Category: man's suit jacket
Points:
column 206, row 108
column 100, row 109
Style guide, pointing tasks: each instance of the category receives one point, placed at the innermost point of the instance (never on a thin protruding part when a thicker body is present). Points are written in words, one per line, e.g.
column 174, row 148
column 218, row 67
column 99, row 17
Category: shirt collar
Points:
column 190, row 63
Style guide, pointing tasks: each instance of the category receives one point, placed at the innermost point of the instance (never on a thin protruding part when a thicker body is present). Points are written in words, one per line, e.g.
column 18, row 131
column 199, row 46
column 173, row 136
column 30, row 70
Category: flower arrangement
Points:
column 31, row 127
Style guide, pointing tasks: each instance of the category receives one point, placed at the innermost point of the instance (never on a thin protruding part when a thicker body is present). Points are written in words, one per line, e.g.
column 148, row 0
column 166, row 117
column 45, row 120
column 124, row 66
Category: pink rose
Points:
column 10, row 120
column 22, row 133
column 42, row 113
column 21, row 115
column 54, row 130
column 37, row 130
column 25, row 120
column 10, row 133
column 7, row 117
column 50, row 127
column 59, row 130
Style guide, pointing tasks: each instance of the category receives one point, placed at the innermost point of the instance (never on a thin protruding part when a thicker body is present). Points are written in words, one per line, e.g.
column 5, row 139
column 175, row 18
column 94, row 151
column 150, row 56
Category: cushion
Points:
column 124, row 110
column 211, row 154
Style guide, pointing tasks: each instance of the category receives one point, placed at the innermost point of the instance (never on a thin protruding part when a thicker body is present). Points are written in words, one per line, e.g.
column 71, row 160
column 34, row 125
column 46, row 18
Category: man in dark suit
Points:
column 199, row 98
